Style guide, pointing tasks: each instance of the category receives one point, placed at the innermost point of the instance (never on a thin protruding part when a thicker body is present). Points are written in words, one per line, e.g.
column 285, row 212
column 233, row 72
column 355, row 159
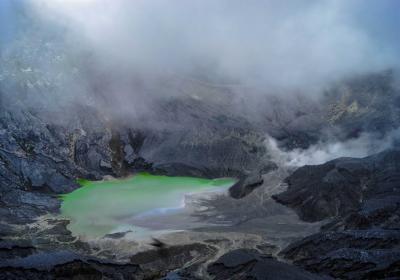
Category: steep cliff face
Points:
column 40, row 160
column 202, row 138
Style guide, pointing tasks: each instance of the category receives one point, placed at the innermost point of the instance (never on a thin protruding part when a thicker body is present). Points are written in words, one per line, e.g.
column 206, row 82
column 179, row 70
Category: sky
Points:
column 7, row 21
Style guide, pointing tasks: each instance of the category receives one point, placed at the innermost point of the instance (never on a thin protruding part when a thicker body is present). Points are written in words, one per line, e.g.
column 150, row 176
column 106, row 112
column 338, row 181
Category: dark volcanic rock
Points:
column 360, row 254
column 349, row 263
column 246, row 185
column 116, row 235
column 341, row 186
column 157, row 262
column 152, row 264
column 379, row 212
column 247, row 264
column 205, row 153
column 362, row 240
column 66, row 265
column 14, row 249
column 322, row 243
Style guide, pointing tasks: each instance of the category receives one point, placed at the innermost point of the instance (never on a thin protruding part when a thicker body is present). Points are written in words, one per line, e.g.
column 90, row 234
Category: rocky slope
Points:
column 245, row 264
column 361, row 200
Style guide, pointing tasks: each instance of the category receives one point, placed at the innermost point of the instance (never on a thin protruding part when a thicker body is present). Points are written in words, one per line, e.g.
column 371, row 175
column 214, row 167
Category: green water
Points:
column 101, row 207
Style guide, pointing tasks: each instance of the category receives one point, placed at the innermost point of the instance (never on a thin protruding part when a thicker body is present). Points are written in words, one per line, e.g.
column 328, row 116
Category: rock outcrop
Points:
column 248, row 264
column 360, row 199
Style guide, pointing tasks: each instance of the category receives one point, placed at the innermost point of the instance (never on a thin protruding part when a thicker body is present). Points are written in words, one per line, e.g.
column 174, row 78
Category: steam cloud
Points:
column 322, row 152
column 274, row 44
column 128, row 51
